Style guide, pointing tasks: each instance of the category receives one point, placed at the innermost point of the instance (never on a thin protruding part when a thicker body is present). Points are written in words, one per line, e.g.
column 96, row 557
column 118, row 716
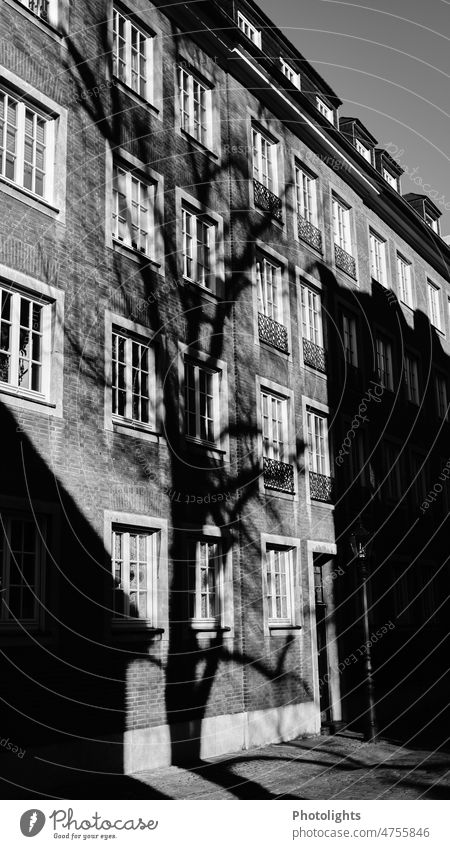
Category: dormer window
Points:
column 364, row 150
column 289, row 72
column 391, row 179
column 325, row 110
column 249, row 30
column 432, row 222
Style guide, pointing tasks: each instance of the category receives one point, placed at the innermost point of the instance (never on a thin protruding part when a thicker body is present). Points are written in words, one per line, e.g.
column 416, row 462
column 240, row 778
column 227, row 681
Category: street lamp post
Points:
column 359, row 543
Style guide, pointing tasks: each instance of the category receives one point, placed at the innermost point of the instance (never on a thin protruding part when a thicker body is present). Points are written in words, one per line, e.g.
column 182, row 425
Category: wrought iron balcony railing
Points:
column 309, row 233
column 267, row 200
column 39, row 8
column 278, row 475
column 314, row 356
column 345, row 261
column 321, row 487
column 273, row 333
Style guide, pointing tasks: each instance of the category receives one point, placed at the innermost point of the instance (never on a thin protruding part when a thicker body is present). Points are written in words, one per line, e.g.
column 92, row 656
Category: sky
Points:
column 389, row 62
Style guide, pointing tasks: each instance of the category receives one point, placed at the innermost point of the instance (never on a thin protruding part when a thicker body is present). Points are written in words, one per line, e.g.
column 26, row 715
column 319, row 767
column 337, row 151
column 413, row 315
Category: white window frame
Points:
column 273, row 438
column 363, row 149
column 318, row 460
column 22, row 105
column 289, row 72
column 215, row 377
column 16, row 298
column 196, row 564
column 250, row 31
column 270, row 564
column 151, row 525
column 383, row 352
column 269, row 291
column 306, row 195
column 342, row 225
column 53, row 12
column 127, row 177
column 144, row 342
column 404, row 276
column 264, row 159
column 49, row 399
column 390, row 179
column 441, row 395
column 127, row 76
column 411, row 377
column 325, row 110
column 432, row 222
column 311, row 314
column 434, row 305
column 152, row 557
column 39, row 522
column 350, row 332
column 392, row 476
column 378, row 258
column 189, row 84
column 282, row 626
column 202, row 275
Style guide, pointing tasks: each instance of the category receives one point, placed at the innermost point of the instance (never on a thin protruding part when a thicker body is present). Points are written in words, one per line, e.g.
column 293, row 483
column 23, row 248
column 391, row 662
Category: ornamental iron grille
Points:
column 40, row 8
column 267, row 200
column 309, row 233
column 314, row 355
column 273, row 333
column 278, row 475
column 345, row 261
column 321, row 487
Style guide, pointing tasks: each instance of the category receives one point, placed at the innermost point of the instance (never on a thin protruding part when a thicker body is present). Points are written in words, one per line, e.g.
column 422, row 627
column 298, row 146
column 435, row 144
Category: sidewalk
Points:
column 337, row 767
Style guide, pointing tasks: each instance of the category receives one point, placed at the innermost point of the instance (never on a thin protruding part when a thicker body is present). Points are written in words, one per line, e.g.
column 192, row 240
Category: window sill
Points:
column 202, row 447
column 138, row 625
column 28, row 198
column 136, row 256
column 278, row 630
column 130, row 428
column 202, row 148
column 25, row 395
column 208, row 294
column 133, row 95
column 200, row 626
column 45, row 26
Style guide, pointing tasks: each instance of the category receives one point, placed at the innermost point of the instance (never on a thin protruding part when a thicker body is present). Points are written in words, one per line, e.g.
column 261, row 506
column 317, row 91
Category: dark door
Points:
column 322, row 642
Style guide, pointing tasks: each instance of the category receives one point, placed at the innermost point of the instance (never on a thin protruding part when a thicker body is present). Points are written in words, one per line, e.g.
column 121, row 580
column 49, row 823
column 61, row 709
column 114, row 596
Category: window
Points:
column 46, row 10
column 317, row 432
column 349, row 336
column 132, row 55
column 363, row 150
column 268, row 277
column 341, row 225
column 391, row 471
column 384, row 362
column 264, row 159
column 135, row 554
column 404, row 280
column 25, row 341
column 26, row 145
column 434, row 305
column 378, row 258
column 288, row 71
column 274, row 426
column 411, row 376
column 306, row 195
column 432, row 222
column 440, row 387
column 201, row 412
column 279, row 575
column 133, row 204
column 22, row 559
column 418, row 477
column 325, row 110
column 391, row 179
column 205, row 586
column 195, row 107
column 311, row 308
column 199, row 238
column 133, row 379
column 249, row 30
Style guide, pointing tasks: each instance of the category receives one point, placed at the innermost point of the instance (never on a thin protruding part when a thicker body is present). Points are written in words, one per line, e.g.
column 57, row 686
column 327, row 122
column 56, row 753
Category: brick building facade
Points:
column 204, row 272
